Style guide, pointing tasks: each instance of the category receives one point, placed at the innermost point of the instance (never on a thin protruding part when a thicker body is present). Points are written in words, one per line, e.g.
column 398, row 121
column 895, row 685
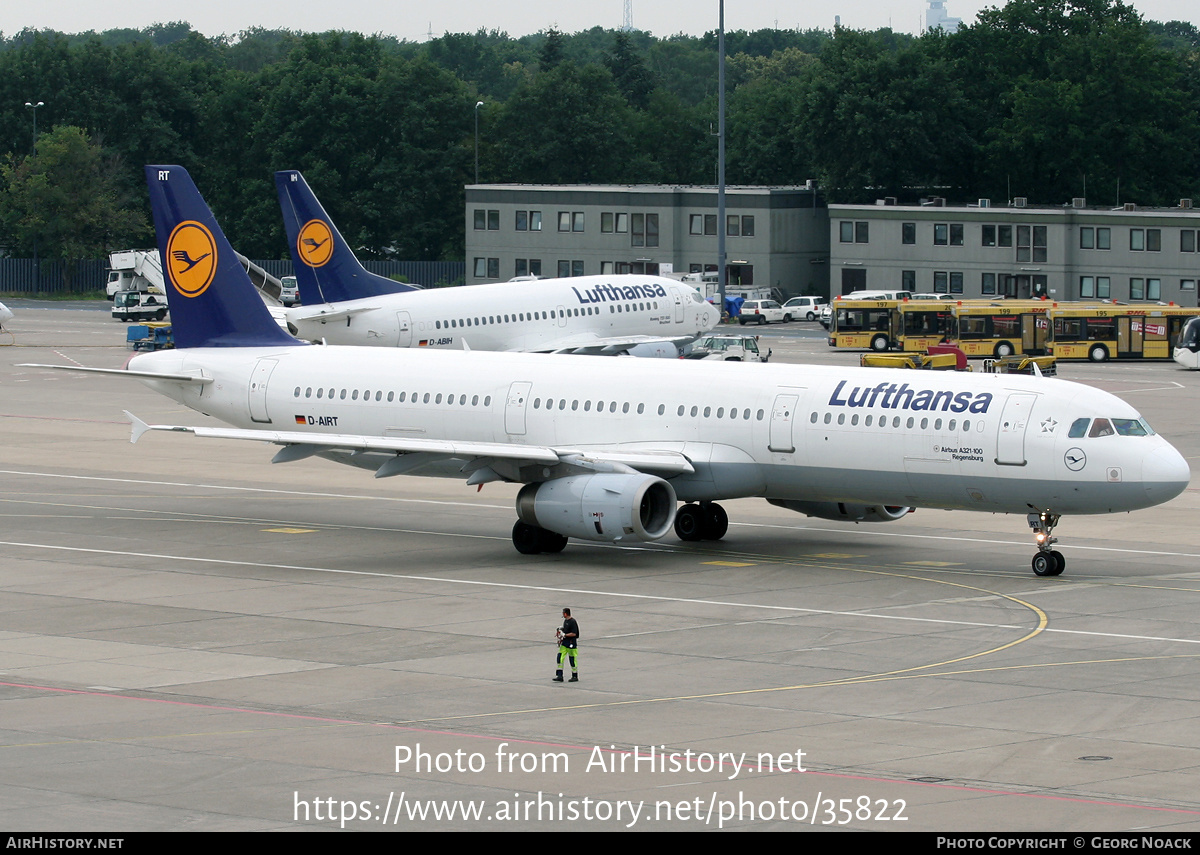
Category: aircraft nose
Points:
column 1165, row 473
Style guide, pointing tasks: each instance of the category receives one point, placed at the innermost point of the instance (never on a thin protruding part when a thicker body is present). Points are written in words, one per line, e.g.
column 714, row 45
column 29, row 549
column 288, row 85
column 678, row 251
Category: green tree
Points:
column 66, row 200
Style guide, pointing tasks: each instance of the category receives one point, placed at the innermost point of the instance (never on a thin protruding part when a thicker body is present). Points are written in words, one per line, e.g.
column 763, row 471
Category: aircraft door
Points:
column 678, row 295
column 783, row 412
column 1010, row 441
column 404, row 323
column 258, row 390
column 562, row 316
column 514, row 408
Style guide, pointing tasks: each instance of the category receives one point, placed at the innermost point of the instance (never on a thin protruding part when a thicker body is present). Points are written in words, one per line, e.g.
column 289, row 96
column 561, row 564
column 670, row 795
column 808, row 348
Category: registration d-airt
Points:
column 606, row 448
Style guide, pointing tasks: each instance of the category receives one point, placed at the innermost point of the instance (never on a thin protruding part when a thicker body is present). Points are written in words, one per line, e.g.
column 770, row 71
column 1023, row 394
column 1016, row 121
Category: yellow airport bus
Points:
column 862, row 324
column 1114, row 331
column 1001, row 327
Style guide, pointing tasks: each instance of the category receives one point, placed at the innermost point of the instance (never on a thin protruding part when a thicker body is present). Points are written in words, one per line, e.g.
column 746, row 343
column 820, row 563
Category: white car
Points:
column 762, row 312
column 5, row 314
column 289, row 294
column 804, row 307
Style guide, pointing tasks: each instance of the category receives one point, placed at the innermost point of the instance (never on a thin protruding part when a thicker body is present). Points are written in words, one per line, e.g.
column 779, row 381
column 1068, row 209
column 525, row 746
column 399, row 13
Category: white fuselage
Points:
column 797, row 432
column 550, row 314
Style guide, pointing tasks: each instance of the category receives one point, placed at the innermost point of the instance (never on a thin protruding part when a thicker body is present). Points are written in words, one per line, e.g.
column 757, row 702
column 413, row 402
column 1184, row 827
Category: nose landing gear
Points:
column 1047, row 561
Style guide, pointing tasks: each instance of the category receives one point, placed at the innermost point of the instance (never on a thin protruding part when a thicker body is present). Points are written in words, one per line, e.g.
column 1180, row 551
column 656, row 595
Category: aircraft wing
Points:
column 611, row 346
column 486, row 461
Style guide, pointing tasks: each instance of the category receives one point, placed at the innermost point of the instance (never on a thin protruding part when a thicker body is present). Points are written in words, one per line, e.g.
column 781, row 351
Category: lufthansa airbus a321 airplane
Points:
column 606, row 448
column 343, row 303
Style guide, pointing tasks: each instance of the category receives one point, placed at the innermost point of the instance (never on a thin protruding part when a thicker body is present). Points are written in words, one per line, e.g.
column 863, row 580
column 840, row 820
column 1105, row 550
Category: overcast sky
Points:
column 411, row 20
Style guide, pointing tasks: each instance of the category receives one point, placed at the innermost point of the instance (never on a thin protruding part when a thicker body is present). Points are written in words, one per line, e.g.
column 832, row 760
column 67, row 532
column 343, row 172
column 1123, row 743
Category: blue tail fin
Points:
column 326, row 269
column 213, row 303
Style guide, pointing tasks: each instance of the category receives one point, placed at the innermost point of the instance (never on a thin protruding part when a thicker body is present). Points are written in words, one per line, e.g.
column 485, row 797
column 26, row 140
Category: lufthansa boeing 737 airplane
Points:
column 343, row 303
column 606, row 448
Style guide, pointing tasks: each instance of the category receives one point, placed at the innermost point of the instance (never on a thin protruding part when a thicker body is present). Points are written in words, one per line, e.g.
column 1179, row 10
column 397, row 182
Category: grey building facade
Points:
column 776, row 237
column 1130, row 254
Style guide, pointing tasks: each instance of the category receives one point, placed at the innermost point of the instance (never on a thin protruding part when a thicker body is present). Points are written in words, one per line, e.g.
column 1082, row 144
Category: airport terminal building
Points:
column 776, row 237
column 788, row 239
column 1072, row 252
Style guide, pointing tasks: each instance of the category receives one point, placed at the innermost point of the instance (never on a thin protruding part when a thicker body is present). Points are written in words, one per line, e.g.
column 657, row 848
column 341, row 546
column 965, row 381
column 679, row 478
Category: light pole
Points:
column 34, row 107
column 478, row 104
column 37, row 262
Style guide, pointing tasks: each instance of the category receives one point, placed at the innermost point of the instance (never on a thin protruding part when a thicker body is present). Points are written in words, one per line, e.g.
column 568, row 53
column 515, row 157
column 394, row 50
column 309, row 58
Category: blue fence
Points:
column 54, row 276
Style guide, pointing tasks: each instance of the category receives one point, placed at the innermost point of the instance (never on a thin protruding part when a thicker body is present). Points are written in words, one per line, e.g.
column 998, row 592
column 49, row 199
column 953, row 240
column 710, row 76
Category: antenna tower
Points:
column 627, row 21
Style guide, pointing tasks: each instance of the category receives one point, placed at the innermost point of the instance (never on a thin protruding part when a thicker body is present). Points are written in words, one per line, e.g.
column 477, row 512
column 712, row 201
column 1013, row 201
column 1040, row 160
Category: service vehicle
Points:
column 1187, row 350
column 289, row 293
column 728, row 348
column 139, row 306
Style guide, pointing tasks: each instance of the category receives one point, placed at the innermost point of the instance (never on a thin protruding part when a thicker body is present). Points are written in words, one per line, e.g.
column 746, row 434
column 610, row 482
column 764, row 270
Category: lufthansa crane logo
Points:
column 314, row 244
column 191, row 258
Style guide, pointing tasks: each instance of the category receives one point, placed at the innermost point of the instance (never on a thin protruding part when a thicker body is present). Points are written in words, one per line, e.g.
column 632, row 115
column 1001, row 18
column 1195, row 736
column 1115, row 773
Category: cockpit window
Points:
column 1130, row 427
column 1101, row 427
column 1078, row 428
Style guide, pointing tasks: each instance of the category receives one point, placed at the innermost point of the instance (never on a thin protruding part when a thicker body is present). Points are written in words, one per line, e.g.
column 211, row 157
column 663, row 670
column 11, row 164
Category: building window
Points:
column 908, row 234
column 522, row 224
column 493, row 221
column 1187, row 240
column 1087, row 238
column 577, row 221
column 987, row 285
column 1137, row 289
column 622, row 223
column 480, row 219
column 748, row 226
column 854, row 232
column 696, row 224
column 652, row 230
column 1153, row 240
column 941, row 282
column 733, row 225
column 564, row 221
column 637, row 235
column 576, row 268
column 535, row 267
column 564, row 269
column 1137, row 240
column 908, row 280
column 521, row 268
column 956, row 234
column 941, row 234
column 1087, row 287
column 1103, row 238
column 1187, row 284
column 1031, row 244
column 710, row 224
column 956, row 283
column 1004, row 235
column 487, row 268
column 1154, row 289
column 989, row 236
column 607, row 222
column 529, row 221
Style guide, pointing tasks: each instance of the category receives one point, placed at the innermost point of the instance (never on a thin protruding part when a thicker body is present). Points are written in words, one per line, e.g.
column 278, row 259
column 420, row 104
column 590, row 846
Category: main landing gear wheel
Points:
column 1047, row 561
column 531, row 540
column 705, row 521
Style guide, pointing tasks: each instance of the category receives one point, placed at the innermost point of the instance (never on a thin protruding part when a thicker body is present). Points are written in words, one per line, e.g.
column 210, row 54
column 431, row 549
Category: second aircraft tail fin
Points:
column 326, row 268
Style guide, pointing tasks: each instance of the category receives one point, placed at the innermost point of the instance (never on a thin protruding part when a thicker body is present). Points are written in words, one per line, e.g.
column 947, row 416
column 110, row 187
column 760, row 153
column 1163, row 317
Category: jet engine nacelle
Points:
column 843, row 511
column 602, row 506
